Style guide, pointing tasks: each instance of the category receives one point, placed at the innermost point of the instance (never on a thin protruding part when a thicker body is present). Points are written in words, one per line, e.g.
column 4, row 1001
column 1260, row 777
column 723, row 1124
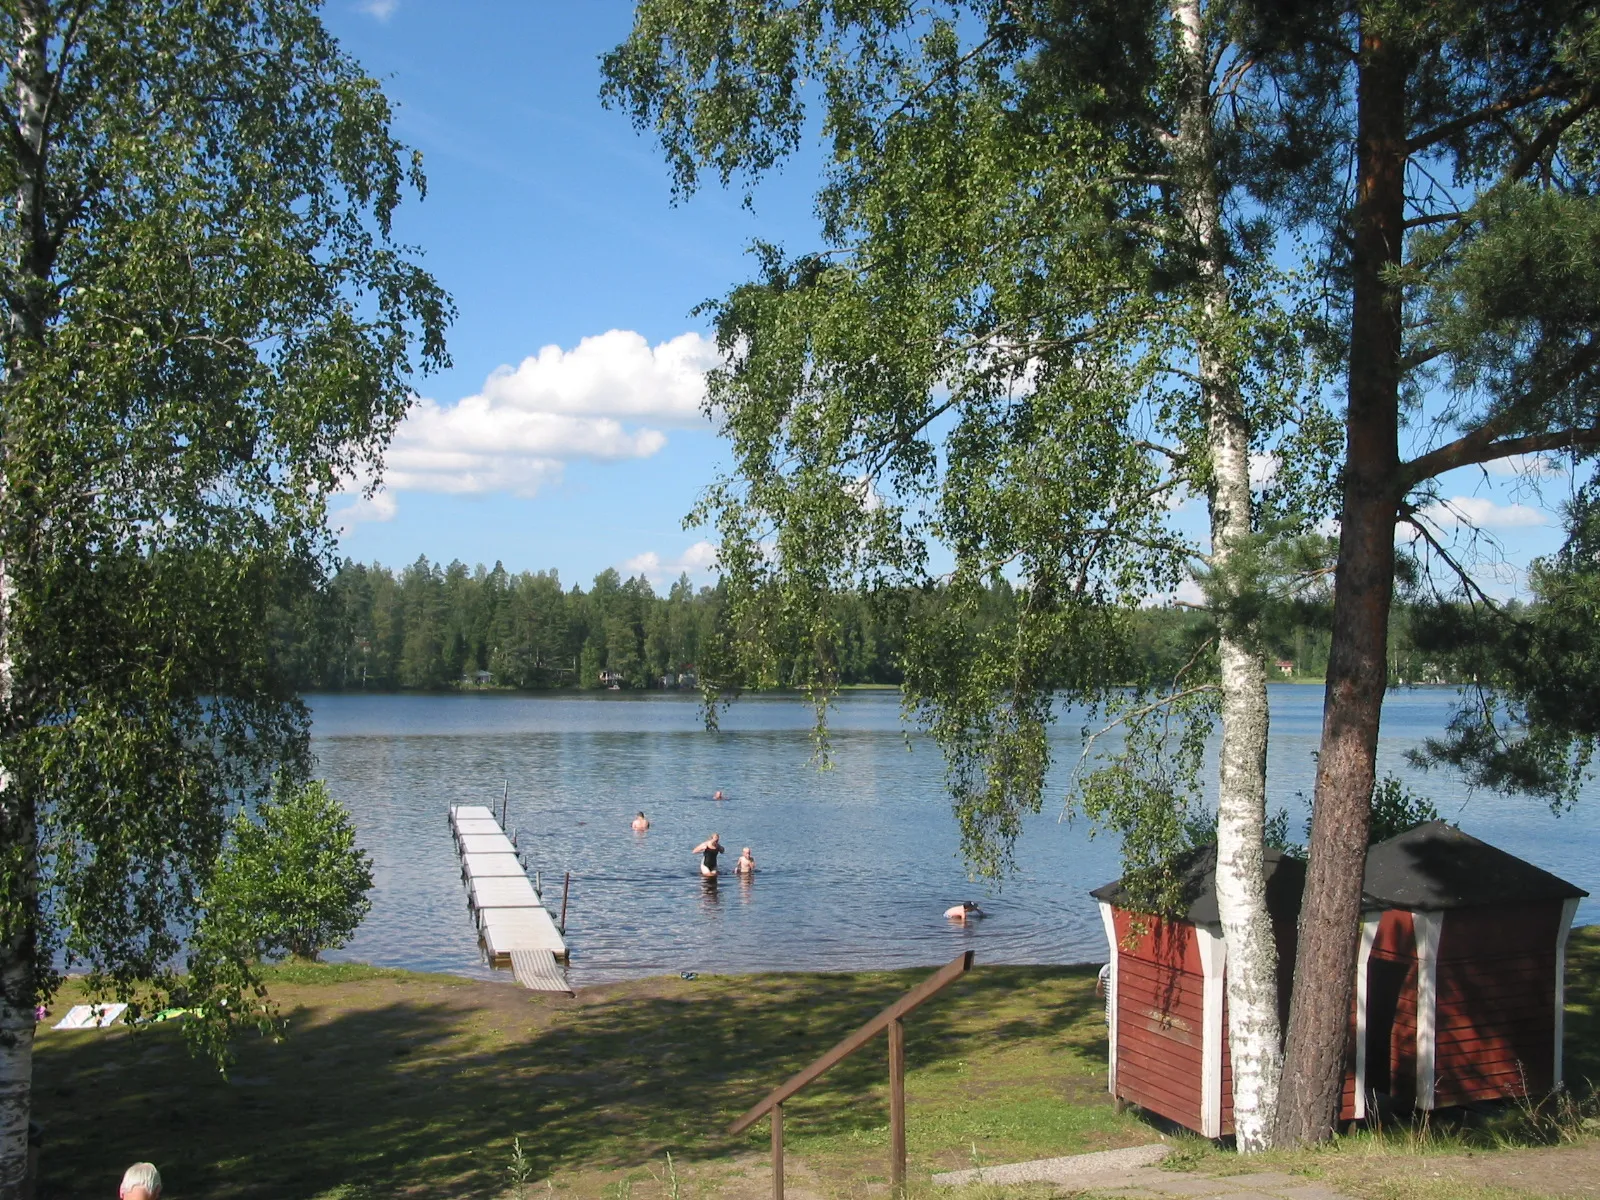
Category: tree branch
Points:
column 1545, row 91
column 1485, row 445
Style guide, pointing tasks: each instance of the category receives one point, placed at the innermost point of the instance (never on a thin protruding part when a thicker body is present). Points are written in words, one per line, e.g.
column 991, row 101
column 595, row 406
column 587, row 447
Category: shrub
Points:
column 291, row 879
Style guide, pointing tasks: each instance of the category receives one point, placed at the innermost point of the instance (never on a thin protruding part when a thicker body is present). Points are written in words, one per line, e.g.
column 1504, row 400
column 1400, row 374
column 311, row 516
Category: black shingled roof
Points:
column 1429, row 868
column 1197, row 869
column 1435, row 866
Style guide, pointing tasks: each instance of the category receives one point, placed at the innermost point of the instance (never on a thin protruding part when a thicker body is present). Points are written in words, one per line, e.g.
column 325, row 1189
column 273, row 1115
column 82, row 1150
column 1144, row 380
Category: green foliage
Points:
column 1395, row 809
column 291, row 879
column 1529, row 719
column 991, row 357
column 208, row 328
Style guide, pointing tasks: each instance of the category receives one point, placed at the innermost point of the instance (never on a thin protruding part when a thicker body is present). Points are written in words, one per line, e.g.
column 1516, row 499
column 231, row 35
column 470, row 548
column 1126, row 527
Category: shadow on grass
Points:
column 415, row 1085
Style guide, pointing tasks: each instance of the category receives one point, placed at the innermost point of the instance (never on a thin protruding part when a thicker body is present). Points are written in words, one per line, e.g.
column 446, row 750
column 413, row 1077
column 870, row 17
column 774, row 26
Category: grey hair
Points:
column 142, row 1175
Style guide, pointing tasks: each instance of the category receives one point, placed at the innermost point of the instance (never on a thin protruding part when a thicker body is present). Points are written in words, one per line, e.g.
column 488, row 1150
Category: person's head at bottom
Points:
column 141, row 1182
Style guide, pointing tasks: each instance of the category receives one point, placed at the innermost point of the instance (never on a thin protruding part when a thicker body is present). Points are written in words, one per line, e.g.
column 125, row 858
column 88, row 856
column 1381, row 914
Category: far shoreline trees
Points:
column 433, row 627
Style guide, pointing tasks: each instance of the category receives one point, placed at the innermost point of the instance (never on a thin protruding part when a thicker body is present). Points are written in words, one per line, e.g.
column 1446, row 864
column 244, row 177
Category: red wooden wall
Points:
column 1496, row 1007
column 1159, row 1008
column 1494, row 1026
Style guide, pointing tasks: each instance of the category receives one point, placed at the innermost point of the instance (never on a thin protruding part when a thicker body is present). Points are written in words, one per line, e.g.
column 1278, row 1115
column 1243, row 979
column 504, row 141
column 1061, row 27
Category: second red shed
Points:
column 1459, row 990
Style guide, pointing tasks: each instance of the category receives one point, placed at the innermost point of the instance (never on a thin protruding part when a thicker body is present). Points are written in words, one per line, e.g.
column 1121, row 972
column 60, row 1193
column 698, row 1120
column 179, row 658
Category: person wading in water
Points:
column 708, row 851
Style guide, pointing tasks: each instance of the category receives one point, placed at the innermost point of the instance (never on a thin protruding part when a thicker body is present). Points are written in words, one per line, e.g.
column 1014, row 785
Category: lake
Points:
column 857, row 863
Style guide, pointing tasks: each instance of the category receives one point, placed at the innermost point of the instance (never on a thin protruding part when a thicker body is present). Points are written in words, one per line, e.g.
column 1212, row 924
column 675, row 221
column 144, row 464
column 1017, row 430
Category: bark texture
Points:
column 1319, row 1017
column 18, row 939
column 1254, row 1036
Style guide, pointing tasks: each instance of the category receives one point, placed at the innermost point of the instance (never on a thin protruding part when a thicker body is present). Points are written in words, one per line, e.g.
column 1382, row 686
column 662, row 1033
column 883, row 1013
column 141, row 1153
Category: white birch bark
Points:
column 1254, row 1036
column 18, row 944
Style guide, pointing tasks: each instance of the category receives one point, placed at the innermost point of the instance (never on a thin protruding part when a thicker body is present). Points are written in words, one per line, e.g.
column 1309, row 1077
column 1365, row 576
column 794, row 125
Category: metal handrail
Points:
column 891, row 1018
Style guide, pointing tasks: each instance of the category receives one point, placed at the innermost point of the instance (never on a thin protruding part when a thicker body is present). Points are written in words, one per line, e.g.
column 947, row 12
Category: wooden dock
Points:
column 513, row 924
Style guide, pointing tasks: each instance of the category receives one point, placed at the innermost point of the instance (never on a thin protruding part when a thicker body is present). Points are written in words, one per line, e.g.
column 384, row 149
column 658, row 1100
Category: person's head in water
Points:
column 641, row 822
column 717, row 795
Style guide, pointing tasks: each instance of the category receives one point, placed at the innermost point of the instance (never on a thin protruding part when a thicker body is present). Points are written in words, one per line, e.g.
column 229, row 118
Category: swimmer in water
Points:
column 960, row 913
column 746, row 864
column 717, row 795
column 640, row 823
column 708, row 851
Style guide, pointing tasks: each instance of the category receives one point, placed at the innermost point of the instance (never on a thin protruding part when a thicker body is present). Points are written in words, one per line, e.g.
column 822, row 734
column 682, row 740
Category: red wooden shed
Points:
column 1458, row 984
column 1460, row 979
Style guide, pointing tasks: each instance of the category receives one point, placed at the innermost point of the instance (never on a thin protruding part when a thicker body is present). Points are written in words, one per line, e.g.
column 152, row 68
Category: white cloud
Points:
column 528, row 421
column 381, row 9
column 696, row 560
column 375, row 509
column 616, row 374
column 1479, row 512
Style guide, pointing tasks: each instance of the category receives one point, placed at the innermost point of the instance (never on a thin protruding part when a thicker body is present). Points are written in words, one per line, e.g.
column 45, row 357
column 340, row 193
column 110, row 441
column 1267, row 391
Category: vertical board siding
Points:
column 1496, row 1025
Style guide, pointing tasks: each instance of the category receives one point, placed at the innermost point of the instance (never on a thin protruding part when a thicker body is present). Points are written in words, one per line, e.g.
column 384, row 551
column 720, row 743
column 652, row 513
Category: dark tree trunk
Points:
column 1318, row 1031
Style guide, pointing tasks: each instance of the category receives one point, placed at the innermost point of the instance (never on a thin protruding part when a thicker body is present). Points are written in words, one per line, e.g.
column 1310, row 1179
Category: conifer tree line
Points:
column 432, row 626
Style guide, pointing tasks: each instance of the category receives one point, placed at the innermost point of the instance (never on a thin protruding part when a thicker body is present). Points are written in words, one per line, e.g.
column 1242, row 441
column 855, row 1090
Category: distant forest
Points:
column 433, row 627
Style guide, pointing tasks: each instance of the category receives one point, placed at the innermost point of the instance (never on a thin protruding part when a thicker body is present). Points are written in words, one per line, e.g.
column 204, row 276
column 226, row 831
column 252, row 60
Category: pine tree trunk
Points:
column 1254, row 1038
column 1330, row 918
column 18, row 939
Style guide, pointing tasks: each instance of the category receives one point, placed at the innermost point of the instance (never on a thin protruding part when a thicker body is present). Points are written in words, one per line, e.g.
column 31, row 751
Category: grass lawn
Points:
column 417, row 1084
column 392, row 1083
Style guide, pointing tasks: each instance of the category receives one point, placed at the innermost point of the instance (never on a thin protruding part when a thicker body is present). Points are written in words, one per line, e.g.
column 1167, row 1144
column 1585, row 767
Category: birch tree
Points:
column 208, row 328
column 1039, row 320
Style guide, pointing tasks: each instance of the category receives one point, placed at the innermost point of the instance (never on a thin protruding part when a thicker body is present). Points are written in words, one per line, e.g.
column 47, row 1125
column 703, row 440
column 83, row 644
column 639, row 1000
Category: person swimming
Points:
column 708, row 851
column 717, row 795
column 641, row 823
column 746, row 864
column 961, row 912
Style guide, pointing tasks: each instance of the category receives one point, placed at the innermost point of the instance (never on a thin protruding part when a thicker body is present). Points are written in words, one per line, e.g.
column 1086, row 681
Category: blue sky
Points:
column 567, row 434
column 550, row 222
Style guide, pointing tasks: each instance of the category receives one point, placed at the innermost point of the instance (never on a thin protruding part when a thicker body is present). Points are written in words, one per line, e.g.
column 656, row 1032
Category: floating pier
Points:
column 515, row 928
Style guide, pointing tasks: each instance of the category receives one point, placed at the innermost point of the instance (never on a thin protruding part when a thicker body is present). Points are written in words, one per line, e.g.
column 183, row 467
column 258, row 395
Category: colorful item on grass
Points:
column 91, row 1016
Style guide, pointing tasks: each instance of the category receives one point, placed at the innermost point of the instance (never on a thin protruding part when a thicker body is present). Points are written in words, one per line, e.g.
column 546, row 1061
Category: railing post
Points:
column 777, row 1152
column 897, row 1107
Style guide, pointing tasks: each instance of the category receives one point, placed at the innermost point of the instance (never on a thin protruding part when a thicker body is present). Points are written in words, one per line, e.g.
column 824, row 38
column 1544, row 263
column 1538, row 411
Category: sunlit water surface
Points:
column 857, row 863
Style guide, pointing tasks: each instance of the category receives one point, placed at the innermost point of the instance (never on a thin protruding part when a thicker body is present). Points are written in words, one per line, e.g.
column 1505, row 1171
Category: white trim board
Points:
column 1213, row 961
column 1427, row 926
column 1369, row 934
column 1108, row 918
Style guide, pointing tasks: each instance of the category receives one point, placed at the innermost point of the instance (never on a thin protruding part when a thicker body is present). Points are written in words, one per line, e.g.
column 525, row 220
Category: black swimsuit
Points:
column 708, row 856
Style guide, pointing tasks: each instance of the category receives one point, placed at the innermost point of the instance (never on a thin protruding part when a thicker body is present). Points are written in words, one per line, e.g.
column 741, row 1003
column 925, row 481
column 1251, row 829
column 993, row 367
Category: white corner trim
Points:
column 1369, row 933
column 1109, row 919
column 1213, row 961
column 1427, row 926
column 1569, row 909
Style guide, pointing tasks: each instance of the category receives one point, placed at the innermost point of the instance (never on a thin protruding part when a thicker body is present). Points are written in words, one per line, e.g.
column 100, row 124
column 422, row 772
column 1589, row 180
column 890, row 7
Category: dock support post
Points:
column 897, row 1107
column 565, row 884
column 777, row 1152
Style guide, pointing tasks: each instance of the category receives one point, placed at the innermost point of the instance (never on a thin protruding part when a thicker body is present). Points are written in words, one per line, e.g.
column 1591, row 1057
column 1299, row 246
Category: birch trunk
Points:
column 19, row 938
column 1252, row 962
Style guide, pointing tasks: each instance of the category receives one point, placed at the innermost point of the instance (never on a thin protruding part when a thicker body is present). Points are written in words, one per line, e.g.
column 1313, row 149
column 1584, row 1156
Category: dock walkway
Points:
column 515, row 928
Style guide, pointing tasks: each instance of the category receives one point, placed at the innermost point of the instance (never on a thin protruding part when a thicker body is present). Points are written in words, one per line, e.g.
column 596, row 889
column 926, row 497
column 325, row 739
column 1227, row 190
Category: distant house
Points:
column 1285, row 666
column 478, row 678
column 688, row 679
column 610, row 678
